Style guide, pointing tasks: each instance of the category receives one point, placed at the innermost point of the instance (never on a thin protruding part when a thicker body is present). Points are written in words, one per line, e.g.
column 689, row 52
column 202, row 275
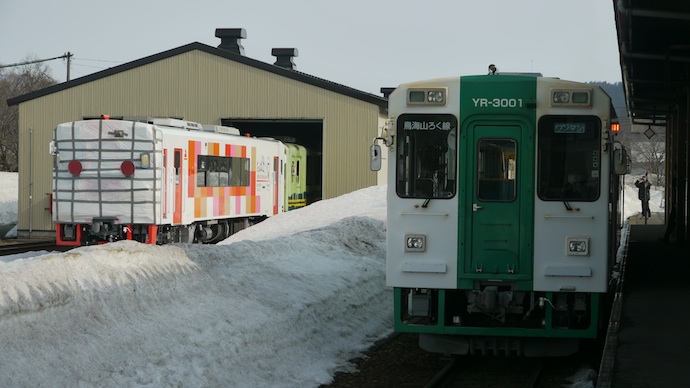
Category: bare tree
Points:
column 651, row 155
column 16, row 81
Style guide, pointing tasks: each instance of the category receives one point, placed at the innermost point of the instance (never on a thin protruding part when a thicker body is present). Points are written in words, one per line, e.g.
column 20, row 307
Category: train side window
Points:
column 202, row 165
column 569, row 158
column 239, row 172
column 244, row 173
column 213, row 177
column 224, row 169
column 214, row 171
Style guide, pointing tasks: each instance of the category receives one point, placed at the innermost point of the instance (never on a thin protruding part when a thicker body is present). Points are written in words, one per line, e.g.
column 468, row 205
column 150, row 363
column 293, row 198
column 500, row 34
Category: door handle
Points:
column 475, row 207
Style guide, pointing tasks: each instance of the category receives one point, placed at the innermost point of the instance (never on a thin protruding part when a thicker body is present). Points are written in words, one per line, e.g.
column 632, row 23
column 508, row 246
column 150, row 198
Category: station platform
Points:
column 651, row 340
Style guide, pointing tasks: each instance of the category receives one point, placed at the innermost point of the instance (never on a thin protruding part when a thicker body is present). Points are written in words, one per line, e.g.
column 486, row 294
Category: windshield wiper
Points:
column 569, row 208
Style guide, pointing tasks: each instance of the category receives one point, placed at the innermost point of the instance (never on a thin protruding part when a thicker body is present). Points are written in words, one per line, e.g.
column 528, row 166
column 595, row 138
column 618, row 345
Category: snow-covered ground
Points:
column 8, row 203
column 285, row 303
column 632, row 205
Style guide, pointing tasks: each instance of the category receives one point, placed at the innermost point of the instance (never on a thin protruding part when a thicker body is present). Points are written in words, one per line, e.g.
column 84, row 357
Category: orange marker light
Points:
column 615, row 127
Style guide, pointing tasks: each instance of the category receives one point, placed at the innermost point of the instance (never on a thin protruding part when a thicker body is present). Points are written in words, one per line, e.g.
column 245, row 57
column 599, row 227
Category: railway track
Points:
column 15, row 247
column 398, row 361
column 479, row 371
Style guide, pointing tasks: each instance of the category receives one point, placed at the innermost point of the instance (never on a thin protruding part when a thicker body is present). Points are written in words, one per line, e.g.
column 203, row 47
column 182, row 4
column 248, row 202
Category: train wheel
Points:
column 185, row 234
column 220, row 231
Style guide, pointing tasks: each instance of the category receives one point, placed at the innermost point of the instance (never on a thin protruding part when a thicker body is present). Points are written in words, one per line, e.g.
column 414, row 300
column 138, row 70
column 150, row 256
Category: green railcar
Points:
column 296, row 179
column 502, row 201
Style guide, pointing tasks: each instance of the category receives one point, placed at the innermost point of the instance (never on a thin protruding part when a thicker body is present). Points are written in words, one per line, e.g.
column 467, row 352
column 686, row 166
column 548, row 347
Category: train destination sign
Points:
column 415, row 125
column 569, row 128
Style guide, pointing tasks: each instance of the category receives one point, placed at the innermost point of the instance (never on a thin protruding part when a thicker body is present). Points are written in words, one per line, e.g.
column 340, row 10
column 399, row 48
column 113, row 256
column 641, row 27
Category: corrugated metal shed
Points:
column 208, row 85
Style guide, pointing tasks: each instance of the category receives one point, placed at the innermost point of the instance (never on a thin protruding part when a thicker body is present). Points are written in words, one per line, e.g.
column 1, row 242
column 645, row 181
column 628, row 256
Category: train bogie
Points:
column 499, row 198
column 161, row 181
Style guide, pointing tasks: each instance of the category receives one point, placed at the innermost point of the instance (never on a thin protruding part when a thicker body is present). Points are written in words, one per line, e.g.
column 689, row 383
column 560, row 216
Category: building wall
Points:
column 204, row 88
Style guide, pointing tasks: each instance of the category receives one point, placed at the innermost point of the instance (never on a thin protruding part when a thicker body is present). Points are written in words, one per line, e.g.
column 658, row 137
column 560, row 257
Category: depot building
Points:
column 208, row 85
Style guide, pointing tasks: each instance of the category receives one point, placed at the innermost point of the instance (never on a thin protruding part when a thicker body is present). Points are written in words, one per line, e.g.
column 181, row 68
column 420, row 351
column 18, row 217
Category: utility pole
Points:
column 69, row 55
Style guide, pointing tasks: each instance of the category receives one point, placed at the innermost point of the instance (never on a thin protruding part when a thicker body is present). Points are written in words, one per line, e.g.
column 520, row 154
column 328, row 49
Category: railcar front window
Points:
column 569, row 158
column 426, row 156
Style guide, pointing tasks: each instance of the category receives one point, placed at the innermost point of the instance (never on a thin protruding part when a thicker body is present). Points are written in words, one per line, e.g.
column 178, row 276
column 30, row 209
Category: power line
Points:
column 36, row 61
column 97, row 60
column 67, row 56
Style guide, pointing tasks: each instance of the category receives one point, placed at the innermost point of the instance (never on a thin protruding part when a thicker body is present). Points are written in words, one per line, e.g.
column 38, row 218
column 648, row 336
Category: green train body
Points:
column 502, row 201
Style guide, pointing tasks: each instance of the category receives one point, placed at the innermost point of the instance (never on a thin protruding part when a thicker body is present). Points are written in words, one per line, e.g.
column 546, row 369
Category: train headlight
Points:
column 415, row 242
column 561, row 97
column 436, row 96
column 145, row 160
column 577, row 246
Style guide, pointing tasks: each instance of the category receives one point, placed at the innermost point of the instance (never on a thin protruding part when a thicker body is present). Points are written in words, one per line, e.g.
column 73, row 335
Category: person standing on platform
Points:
column 643, row 186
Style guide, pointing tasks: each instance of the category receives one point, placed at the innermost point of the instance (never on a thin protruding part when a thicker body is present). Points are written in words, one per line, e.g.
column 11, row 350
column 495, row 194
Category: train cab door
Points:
column 495, row 201
column 177, row 193
column 276, row 184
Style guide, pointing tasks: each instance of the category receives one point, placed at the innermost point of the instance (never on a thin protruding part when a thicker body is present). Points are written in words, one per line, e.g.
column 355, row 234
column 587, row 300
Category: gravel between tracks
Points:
column 399, row 362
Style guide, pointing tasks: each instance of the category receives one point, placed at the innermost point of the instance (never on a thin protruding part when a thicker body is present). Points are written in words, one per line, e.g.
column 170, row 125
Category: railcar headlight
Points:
column 435, row 96
column 561, row 97
column 415, row 242
column 145, row 160
column 577, row 246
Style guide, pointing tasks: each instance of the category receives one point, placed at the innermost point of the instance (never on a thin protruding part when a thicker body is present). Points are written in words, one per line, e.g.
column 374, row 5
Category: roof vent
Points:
column 284, row 57
column 387, row 92
column 230, row 39
column 221, row 129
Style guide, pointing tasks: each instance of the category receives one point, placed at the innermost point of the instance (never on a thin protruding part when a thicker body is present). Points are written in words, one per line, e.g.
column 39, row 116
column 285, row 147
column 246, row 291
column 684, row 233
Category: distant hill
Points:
column 617, row 94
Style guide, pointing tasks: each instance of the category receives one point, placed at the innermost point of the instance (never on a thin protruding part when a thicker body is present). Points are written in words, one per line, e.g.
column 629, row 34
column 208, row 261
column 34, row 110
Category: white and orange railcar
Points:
column 161, row 181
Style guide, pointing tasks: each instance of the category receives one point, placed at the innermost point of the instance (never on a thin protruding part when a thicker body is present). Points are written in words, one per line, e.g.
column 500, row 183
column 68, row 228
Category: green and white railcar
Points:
column 296, row 182
column 502, row 201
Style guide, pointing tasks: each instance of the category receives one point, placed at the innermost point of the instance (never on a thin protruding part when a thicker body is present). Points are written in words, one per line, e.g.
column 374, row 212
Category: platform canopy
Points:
column 654, row 46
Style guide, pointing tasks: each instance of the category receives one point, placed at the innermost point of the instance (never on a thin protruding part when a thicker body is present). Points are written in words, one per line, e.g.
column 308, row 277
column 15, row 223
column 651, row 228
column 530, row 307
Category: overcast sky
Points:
column 364, row 44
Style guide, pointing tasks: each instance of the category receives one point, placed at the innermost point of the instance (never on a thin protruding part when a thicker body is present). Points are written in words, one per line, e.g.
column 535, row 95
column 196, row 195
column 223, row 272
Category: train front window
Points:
column 426, row 156
column 569, row 158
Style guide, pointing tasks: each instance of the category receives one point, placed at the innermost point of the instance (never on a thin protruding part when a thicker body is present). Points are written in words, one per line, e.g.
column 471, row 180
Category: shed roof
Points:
column 289, row 73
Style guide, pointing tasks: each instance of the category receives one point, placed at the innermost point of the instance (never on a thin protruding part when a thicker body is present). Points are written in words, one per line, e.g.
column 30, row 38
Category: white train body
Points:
column 168, row 180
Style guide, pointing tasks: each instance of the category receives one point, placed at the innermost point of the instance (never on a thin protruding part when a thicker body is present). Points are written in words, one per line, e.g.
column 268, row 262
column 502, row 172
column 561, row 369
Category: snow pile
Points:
column 8, row 197
column 8, row 204
column 289, row 310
